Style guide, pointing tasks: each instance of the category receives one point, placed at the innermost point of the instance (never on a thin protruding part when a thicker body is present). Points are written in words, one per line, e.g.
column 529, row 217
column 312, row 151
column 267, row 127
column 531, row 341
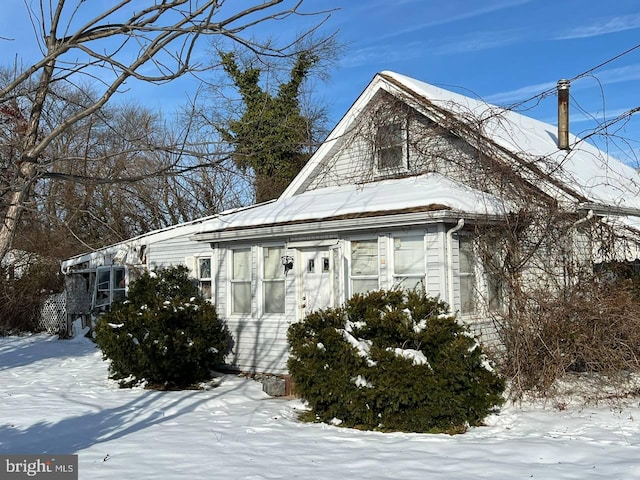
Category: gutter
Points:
column 450, row 233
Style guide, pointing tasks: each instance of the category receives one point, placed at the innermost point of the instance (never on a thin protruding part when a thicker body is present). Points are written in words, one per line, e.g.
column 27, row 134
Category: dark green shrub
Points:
column 391, row 360
column 164, row 333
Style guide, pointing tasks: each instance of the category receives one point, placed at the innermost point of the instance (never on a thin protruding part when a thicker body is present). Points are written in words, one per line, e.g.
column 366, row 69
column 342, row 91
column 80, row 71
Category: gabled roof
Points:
column 584, row 174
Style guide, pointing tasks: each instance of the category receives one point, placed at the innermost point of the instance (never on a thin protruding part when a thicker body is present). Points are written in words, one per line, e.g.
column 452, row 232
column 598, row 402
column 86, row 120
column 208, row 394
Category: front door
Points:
column 316, row 291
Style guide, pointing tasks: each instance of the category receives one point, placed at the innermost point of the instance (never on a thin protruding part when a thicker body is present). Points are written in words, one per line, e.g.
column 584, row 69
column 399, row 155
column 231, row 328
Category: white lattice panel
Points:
column 53, row 316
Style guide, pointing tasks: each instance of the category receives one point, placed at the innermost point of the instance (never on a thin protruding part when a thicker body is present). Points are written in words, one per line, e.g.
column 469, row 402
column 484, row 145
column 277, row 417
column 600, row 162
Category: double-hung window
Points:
column 409, row 262
column 204, row 277
column 241, row 281
column 273, row 280
column 389, row 146
column 467, row 272
column 364, row 266
column 110, row 285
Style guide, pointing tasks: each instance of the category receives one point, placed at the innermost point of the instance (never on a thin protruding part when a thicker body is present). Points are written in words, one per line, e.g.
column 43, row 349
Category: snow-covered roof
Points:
column 584, row 168
column 426, row 190
column 588, row 174
column 126, row 247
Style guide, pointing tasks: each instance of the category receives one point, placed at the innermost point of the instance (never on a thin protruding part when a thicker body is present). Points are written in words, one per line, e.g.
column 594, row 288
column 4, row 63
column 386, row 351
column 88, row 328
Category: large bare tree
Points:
column 99, row 52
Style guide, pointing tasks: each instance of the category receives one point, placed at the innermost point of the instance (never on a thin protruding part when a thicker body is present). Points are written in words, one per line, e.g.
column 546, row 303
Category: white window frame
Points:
column 355, row 276
column 421, row 278
column 111, row 291
column 204, row 280
column 486, row 297
column 384, row 143
column 267, row 282
column 233, row 282
column 466, row 243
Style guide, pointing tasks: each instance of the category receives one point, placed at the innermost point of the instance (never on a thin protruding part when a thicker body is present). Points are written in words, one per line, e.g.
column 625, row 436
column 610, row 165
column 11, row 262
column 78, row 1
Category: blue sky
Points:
column 503, row 51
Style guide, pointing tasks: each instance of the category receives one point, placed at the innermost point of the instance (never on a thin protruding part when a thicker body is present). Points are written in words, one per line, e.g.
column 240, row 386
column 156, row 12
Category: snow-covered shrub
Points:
column 392, row 360
column 164, row 333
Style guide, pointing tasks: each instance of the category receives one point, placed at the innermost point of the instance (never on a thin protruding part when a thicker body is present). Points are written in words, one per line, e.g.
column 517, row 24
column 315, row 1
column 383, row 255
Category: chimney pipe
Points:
column 563, row 114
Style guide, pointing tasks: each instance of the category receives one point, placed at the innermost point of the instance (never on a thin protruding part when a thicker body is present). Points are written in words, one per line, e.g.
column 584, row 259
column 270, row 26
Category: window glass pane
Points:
column 242, row 264
column 364, row 285
column 494, row 286
column 104, row 278
column 118, row 278
column 272, row 263
column 389, row 140
column 364, row 257
column 274, row 297
column 466, row 255
column 409, row 283
column 408, row 255
column 241, row 297
column 118, row 295
column 205, row 288
column 204, row 268
column 467, row 294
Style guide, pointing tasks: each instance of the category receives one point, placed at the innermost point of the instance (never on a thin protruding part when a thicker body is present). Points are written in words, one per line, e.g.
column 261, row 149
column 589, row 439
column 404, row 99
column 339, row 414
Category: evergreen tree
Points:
column 271, row 135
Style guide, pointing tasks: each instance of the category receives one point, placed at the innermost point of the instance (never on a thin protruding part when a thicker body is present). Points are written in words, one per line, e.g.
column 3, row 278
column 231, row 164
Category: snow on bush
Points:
column 392, row 360
column 166, row 334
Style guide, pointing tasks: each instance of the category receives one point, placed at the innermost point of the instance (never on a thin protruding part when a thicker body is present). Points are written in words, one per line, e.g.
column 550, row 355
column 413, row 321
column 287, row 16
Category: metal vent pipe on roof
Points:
column 563, row 114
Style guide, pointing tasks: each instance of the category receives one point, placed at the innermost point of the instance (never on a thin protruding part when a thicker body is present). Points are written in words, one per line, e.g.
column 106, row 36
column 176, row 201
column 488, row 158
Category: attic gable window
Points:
column 389, row 146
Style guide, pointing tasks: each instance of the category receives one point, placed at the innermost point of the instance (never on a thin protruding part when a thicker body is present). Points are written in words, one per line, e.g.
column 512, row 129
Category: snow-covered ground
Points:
column 56, row 398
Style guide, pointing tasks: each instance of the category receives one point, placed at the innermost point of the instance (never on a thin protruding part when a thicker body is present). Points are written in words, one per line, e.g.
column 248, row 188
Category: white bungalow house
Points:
column 391, row 199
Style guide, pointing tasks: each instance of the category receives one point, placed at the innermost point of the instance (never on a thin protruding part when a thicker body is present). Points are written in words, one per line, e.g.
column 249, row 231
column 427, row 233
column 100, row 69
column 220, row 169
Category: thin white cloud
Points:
column 519, row 94
column 617, row 75
column 477, row 41
column 382, row 55
column 489, row 7
column 596, row 116
column 603, row 27
column 605, row 77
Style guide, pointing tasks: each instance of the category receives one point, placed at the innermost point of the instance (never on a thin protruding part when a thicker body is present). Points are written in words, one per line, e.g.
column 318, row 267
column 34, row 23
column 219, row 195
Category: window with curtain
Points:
column 241, row 281
column 272, row 280
column 467, row 271
column 364, row 266
column 409, row 262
